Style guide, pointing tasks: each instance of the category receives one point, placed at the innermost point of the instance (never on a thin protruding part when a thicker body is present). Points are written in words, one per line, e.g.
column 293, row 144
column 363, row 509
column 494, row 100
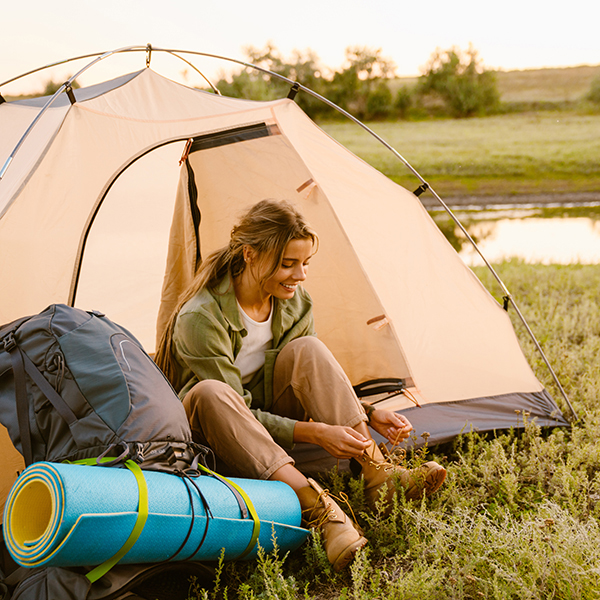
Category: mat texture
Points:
column 71, row 515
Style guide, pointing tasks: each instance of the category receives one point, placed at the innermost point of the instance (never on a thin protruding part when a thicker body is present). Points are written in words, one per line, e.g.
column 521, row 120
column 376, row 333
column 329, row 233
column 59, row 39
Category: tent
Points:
column 94, row 205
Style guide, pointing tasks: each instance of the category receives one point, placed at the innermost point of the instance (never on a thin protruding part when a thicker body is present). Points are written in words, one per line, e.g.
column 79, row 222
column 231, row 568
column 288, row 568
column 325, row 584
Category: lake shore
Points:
column 513, row 200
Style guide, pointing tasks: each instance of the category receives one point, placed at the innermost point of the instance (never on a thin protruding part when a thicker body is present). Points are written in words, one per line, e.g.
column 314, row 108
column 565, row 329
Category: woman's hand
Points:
column 391, row 425
column 340, row 442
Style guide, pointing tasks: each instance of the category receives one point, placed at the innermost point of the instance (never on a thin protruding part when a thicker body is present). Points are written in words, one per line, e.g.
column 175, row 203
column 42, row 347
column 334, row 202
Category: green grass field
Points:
column 518, row 515
column 543, row 152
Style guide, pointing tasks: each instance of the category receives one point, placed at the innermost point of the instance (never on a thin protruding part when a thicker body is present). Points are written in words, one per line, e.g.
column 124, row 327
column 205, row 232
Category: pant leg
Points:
column 220, row 419
column 308, row 382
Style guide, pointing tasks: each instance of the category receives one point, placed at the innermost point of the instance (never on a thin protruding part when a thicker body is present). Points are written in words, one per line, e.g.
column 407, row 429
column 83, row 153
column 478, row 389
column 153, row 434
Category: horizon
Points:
column 45, row 76
column 516, row 37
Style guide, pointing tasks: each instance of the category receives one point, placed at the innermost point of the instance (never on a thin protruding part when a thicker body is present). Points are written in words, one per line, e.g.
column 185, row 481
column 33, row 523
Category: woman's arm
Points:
column 204, row 345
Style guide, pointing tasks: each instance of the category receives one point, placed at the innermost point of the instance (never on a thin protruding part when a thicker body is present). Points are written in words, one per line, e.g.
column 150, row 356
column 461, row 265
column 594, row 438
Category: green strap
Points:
column 142, row 516
column 249, row 505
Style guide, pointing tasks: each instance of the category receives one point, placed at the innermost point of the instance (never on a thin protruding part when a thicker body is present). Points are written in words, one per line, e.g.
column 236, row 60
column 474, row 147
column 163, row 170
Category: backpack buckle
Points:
column 9, row 342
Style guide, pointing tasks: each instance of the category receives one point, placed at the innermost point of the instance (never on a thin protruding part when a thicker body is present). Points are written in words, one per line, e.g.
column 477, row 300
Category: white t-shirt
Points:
column 251, row 357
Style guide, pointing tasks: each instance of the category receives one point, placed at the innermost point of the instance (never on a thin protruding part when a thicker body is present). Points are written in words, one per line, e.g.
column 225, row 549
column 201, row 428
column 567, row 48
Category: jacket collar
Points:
column 225, row 297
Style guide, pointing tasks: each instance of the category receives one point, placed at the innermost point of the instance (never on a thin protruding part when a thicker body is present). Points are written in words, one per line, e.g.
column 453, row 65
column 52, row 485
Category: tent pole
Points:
column 67, row 86
column 330, row 104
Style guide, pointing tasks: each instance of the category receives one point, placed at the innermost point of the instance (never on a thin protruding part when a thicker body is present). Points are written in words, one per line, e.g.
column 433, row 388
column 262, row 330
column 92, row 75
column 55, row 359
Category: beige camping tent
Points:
column 87, row 203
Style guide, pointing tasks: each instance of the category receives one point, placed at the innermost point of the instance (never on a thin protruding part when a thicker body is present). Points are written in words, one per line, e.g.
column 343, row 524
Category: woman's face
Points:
column 292, row 271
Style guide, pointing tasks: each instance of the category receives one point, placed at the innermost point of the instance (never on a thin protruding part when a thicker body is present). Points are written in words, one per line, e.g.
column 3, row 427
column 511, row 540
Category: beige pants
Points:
column 308, row 383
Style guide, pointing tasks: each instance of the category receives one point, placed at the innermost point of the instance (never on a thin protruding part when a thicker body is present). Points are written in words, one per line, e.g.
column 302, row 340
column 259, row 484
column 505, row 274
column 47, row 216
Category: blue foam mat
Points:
column 72, row 515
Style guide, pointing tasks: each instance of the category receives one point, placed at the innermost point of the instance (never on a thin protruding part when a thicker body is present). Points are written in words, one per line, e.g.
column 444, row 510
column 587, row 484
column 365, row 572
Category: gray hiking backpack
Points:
column 73, row 384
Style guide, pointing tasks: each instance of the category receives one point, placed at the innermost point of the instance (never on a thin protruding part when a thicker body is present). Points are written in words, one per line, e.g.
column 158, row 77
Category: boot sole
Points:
column 348, row 553
column 431, row 483
column 434, row 480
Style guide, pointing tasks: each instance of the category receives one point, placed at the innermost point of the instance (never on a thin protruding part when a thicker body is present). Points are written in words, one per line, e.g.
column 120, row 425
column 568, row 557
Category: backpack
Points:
column 75, row 385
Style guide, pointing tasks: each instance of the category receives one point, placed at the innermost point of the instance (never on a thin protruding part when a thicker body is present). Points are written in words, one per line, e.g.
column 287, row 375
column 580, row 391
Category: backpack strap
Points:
column 16, row 357
column 140, row 522
column 22, row 364
column 245, row 504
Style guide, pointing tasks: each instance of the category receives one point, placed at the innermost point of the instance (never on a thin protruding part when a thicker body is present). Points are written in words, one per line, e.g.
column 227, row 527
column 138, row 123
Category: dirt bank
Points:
column 574, row 198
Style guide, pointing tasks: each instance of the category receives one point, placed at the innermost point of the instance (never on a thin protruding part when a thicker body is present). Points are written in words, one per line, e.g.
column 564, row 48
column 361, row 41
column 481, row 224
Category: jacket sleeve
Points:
column 203, row 344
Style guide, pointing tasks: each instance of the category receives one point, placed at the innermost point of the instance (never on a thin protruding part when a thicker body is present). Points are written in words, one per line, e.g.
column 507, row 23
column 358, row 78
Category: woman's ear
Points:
column 249, row 254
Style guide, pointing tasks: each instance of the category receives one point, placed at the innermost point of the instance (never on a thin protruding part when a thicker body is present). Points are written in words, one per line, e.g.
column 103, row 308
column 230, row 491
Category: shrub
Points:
column 404, row 101
column 460, row 81
column 594, row 93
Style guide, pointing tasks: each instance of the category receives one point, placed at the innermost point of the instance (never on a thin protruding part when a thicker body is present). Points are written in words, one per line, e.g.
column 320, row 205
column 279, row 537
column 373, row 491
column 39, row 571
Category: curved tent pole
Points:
column 299, row 86
column 123, row 50
column 64, row 87
column 67, row 85
column 187, row 62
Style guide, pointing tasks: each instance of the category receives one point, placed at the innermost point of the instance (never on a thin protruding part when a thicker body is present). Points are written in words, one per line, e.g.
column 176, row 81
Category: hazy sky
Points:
column 513, row 34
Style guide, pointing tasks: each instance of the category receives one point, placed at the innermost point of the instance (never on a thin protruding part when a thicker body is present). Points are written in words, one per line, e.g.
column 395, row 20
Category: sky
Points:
column 513, row 34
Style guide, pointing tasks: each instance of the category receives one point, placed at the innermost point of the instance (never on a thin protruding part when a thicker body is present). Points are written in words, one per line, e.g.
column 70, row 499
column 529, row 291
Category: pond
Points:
column 548, row 234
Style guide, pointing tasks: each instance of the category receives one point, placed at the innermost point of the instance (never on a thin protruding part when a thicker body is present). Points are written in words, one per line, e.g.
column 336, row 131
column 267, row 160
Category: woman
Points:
column 241, row 349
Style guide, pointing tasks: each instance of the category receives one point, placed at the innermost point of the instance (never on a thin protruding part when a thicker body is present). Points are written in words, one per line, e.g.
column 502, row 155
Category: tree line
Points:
column 454, row 83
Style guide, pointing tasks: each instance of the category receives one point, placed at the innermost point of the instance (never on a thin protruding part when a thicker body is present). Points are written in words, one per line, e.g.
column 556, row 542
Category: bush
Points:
column 379, row 102
column 404, row 102
column 594, row 93
column 463, row 85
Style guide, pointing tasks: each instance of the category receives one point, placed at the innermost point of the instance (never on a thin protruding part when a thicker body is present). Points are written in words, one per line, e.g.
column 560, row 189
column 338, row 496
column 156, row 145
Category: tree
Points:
column 361, row 88
column 251, row 83
column 257, row 85
column 459, row 80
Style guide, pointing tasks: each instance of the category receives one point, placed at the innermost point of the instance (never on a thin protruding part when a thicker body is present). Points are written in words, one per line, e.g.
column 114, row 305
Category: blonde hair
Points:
column 267, row 228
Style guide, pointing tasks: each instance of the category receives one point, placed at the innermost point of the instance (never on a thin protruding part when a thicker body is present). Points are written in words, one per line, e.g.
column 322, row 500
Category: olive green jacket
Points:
column 208, row 337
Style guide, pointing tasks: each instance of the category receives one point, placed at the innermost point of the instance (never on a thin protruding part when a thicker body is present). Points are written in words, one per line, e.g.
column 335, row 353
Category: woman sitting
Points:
column 241, row 351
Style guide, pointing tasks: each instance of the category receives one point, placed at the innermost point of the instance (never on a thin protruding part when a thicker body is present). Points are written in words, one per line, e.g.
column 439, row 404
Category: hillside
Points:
column 565, row 84
column 547, row 85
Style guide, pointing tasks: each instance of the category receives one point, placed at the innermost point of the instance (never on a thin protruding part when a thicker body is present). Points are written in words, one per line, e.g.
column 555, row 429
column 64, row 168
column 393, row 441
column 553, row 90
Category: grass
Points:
column 540, row 152
column 518, row 516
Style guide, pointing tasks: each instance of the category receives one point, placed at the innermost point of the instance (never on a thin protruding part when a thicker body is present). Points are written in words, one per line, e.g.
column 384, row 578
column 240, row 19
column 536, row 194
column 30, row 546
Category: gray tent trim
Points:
column 443, row 422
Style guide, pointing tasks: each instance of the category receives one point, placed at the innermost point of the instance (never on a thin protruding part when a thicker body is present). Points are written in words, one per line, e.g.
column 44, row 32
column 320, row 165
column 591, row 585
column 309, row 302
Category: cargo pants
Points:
column 308, row 383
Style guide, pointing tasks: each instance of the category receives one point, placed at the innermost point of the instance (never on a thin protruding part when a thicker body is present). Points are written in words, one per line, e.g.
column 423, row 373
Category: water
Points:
column 559, row 235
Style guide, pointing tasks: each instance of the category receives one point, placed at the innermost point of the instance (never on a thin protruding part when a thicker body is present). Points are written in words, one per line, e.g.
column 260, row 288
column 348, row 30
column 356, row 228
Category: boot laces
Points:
column 386, row 465
column 328, row 512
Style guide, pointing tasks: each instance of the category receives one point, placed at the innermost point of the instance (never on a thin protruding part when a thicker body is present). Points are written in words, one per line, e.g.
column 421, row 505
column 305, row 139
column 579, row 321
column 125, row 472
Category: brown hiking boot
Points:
column 378, row 475
column 341, row 536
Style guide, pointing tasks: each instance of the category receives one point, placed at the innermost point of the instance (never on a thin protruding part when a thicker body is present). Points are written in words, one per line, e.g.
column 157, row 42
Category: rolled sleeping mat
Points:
column 68, row 515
